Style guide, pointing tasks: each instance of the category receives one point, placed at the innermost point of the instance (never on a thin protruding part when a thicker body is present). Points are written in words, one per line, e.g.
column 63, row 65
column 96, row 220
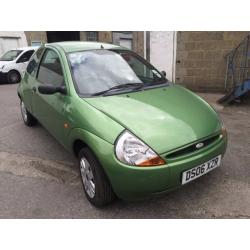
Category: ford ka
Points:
column 135, row 134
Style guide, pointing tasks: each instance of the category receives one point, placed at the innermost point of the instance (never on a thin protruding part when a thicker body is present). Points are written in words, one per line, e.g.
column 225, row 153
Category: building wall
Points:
column 138, row 42
column 11, row 40
column 200, row 63
column 36, row 36
column 83, row 36
column 103, row 36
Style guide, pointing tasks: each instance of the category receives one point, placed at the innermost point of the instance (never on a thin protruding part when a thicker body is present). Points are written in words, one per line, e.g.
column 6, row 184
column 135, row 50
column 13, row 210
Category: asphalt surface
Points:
column 39, row 179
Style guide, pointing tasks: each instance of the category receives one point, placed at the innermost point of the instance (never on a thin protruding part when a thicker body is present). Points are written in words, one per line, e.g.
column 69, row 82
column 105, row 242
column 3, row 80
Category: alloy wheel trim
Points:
column 87, row 177
column 24, row 112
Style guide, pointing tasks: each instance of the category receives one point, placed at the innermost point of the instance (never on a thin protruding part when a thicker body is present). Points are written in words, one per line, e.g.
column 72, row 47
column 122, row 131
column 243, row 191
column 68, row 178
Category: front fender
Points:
column 101, row 148
column 95, row 143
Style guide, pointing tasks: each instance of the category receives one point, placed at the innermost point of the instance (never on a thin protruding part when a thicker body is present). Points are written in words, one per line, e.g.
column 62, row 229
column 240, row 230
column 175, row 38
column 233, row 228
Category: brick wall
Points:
column 200, row 63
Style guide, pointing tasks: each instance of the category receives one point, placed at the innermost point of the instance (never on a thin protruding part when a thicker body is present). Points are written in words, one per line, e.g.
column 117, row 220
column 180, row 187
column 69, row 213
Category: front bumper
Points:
column 3, row 76
column 130, row 182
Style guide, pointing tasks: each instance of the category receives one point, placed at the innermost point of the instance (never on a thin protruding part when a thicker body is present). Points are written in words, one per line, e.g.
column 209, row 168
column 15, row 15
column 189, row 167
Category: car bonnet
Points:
column 165, row 118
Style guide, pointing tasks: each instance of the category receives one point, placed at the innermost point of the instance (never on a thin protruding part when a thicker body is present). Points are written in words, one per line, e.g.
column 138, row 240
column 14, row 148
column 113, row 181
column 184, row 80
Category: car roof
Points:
column 27, row 48
column 79, row 46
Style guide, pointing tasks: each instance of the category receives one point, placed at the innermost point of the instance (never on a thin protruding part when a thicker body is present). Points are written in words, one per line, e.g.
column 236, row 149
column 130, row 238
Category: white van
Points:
column 14, row 62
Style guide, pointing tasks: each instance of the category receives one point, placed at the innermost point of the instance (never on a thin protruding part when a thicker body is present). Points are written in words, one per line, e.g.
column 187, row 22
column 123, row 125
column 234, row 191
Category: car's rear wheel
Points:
column 13, row 77
column 95, row 183
column 28, row 118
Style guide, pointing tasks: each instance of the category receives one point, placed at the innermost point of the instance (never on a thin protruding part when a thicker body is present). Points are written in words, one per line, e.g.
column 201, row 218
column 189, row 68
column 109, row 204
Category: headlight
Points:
column 132, row 151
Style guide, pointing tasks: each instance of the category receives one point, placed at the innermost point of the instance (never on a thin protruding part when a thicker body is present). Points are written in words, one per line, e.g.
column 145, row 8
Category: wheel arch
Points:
column 80, row 138
column 78, row 144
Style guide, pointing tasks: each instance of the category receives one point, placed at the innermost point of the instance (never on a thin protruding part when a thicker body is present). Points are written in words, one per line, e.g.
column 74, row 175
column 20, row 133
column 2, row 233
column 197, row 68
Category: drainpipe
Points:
column 144, row 45
column 174, row 55
column 148, row 46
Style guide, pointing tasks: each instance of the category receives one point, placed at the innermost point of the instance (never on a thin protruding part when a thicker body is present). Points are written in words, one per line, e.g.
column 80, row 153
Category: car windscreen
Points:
column 10, row 55
column 99, row 70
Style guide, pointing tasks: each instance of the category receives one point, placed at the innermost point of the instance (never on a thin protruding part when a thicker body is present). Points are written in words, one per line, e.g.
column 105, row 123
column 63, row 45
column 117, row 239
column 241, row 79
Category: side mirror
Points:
column 163, row 73
column 49, row 89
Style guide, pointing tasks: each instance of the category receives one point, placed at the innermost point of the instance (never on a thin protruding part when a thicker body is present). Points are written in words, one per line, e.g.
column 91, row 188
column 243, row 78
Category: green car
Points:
column 135, row 134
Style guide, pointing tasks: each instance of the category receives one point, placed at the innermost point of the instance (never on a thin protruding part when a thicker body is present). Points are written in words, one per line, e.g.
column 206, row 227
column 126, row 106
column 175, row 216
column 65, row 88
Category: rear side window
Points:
column 33, row 64
column 50, row 70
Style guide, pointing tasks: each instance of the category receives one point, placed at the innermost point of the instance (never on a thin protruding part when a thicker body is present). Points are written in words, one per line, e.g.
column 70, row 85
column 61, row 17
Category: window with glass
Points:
column 50, row 69
column 10, row 55
column 100, row 70
column 92, row 36
column 25, row 56
column 33, row 64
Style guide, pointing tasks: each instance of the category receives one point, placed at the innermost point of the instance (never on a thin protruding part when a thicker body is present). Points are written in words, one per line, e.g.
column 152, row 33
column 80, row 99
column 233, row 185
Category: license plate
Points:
column 200, row 170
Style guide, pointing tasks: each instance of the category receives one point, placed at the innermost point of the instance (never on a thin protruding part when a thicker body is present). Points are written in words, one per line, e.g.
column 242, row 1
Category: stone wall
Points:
column 105, row 36
column 36, row 36
column 138, row 42
column 200, row 63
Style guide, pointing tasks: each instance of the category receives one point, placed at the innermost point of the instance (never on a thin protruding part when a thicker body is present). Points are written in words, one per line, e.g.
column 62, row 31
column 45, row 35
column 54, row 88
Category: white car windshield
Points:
column 99, row 70
column 10, row 55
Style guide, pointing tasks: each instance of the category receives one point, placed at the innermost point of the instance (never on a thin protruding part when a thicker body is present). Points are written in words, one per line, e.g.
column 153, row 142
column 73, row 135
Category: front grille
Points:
column 192, row 148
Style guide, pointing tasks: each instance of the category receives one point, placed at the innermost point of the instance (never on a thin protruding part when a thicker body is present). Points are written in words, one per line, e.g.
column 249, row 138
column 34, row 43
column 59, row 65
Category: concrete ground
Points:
column 39, row 179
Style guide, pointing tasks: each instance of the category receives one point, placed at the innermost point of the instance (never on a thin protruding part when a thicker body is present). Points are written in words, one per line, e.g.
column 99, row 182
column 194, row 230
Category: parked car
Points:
column 14, row 62
column 135, row 134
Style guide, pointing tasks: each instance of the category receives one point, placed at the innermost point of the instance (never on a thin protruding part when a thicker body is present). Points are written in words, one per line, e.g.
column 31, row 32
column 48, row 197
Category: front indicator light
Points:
column 156, row 161
column 132, row 151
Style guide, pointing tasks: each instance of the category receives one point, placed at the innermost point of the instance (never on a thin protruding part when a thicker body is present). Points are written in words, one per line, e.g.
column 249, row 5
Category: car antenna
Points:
column 102, row 47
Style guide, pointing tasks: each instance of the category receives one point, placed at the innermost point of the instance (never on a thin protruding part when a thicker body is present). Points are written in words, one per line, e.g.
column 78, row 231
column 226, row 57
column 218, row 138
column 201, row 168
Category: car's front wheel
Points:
column 95, row 183
column 28, row 118
column 13, row 77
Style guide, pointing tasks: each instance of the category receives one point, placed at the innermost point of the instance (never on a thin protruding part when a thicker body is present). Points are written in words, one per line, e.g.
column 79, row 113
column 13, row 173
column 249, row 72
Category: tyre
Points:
column 13, row 77
column 28, row 118
column 95, row 182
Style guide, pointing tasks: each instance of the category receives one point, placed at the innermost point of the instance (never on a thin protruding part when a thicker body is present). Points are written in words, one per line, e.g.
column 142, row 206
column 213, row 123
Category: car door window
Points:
column 25, row 57
column 33, row 64
column 50, row 69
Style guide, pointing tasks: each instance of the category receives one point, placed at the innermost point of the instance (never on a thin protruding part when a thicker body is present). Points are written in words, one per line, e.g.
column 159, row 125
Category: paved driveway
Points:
column 39, row 179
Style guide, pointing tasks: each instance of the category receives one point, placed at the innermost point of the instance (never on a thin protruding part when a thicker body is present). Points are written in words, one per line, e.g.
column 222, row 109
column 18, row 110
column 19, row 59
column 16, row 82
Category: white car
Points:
column 14, row 62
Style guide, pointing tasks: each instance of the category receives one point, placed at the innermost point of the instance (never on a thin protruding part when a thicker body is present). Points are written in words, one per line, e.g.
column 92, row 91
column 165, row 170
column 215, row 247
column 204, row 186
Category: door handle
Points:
column 34, row 89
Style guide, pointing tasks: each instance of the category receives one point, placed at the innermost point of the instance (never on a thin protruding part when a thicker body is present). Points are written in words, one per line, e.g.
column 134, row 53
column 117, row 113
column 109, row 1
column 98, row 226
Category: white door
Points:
column 9, row 43
column 163, row 51
column 127, row 43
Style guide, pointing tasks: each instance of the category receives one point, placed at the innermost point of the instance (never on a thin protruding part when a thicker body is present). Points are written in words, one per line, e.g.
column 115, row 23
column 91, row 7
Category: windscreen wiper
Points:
column 121, row 86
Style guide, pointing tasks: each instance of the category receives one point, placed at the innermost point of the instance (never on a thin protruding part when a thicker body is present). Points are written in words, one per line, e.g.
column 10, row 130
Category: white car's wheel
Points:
column 13, row 77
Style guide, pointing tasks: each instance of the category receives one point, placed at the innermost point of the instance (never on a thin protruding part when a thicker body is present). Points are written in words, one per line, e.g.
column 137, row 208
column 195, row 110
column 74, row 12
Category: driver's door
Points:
column 50, row 108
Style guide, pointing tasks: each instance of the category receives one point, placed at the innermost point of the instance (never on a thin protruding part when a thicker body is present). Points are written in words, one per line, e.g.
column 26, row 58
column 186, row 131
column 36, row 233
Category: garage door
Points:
column 127, row 43
column 8, row 43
